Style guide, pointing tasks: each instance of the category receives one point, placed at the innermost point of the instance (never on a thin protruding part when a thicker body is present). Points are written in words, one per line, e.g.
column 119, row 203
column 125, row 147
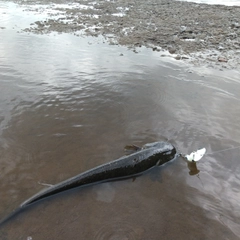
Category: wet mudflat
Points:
column 70, row 103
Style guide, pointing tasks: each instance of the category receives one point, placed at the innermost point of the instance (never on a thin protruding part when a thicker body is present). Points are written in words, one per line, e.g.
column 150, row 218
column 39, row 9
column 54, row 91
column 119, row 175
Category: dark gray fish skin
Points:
column 151, row 155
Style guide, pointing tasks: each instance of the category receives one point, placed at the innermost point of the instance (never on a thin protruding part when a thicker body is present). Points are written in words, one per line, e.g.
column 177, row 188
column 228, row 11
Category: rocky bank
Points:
column 199, row 33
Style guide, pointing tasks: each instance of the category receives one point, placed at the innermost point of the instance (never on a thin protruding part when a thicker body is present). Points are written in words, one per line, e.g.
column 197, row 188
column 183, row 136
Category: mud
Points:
column 202, row 34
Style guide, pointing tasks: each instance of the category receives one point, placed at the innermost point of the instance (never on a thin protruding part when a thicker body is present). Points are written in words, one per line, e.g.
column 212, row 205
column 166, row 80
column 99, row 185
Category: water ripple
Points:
column 118, row 231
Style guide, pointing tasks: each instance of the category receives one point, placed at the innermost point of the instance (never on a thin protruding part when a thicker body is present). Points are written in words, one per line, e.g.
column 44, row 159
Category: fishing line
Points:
column 223, row 150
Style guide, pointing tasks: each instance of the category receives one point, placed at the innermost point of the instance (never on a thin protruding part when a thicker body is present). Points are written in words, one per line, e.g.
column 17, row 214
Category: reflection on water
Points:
column 193, row 170
column 68, row 104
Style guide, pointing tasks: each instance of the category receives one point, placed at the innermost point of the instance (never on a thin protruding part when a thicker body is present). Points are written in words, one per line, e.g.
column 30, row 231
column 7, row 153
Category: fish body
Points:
column 151, row 155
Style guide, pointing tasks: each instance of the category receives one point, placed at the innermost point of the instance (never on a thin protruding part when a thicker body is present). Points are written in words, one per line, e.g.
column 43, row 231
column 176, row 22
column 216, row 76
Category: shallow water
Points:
column 68, row 104
column 220, row 2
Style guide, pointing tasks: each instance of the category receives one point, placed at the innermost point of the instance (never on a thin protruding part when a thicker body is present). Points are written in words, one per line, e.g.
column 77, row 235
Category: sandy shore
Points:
column 202, row 34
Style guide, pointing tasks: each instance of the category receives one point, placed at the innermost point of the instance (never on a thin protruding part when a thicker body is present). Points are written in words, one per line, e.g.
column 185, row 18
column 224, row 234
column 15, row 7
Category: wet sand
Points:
column 198, row 33
column 70, row 103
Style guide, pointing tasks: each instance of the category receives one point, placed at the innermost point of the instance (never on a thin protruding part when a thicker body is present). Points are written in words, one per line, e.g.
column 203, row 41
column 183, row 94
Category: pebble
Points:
column 222, row 59
column 178, row 57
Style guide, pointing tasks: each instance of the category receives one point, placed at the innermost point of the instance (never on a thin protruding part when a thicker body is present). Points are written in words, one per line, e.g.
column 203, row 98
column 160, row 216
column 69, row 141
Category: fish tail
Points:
column 10, row 216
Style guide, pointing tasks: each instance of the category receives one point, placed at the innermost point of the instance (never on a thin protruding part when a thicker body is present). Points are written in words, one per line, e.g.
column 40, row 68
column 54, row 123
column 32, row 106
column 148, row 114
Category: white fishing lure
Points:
column 196, row 156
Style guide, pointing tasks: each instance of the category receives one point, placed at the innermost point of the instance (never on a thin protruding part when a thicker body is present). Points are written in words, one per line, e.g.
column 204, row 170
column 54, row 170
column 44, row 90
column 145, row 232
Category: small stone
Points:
column 235, row 25
column 137, row 44
column 171, row 50
column 222, row 59
column 183, row 28
column 184, row 57
column 178, row 57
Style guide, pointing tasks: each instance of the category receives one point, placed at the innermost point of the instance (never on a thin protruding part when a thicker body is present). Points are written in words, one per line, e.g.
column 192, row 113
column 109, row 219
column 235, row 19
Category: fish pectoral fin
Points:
column 129, row 149
column 132, row 147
